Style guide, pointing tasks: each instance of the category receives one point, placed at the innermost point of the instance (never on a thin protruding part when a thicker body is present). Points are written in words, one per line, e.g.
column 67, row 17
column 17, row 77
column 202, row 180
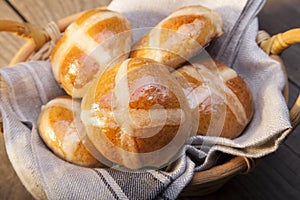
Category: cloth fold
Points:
column 27, row 86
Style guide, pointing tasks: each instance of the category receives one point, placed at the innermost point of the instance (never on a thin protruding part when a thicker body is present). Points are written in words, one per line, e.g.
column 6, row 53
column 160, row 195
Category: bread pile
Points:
column 137, row 106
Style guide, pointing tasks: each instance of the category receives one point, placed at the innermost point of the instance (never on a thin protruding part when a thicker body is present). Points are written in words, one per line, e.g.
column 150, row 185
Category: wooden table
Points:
column 276, row 177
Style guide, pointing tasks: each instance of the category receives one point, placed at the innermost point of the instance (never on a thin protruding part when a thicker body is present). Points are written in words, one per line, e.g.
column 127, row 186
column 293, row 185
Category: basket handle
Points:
column 274, row 46
column 271, row 45
column 279, row 42
column 25, row 30
column 36, row 36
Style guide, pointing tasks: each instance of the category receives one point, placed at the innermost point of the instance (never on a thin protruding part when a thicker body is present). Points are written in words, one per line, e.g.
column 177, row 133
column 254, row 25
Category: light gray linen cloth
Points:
column 27, row 86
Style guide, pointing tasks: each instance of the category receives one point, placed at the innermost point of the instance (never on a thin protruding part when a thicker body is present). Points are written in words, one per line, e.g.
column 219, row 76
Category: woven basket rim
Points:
column 203, row 182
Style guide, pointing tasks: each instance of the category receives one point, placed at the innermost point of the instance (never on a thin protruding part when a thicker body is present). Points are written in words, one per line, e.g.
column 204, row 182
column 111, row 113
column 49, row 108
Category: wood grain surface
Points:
column 9, row 43
column 10, row 185
column 38, row 13
column 42, row 12
column 276, row 177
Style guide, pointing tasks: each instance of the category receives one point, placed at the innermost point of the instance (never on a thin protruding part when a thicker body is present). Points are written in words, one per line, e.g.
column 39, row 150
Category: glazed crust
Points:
column 179, row 36
column 135, row 106
column 234, row 99
column 98, row 39
column 58, row 125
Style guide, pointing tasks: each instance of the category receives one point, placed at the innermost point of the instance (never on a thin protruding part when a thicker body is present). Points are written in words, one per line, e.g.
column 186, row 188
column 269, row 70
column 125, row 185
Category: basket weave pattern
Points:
column 41, row 41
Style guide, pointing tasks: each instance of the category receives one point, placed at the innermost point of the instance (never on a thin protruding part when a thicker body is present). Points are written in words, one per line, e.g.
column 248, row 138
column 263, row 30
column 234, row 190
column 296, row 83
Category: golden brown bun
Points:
column 179, row 36
column 59, row 124
column 223, row 98
column 93, row 42
column 136, row 108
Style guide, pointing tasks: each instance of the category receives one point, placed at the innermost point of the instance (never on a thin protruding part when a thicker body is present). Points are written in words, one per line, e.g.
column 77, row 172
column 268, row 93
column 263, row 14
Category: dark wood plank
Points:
column 273, row 178
column 278, row 16
column 293, row 141
column 294, row 92
column 278, row 175
column 288, row 160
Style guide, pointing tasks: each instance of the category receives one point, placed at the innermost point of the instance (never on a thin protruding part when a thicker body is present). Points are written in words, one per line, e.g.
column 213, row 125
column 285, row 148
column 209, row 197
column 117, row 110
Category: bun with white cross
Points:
column 136, row 114
column 223, row 99
column 59, row 126
column 140, row 112
column 97, row 39
column 179, row 36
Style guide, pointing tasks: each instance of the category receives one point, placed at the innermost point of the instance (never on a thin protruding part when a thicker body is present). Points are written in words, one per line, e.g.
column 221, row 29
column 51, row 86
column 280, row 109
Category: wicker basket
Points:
column 40, row 42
